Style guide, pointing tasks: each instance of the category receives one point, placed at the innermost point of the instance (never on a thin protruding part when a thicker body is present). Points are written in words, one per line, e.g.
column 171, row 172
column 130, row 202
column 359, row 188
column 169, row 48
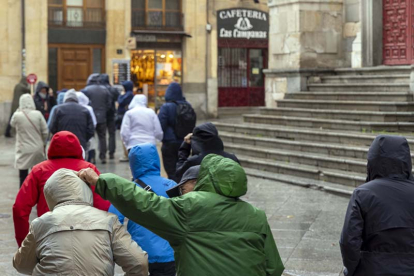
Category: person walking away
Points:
column 60, row 98
column 145, row 166
column 110, row 116
column 140, row 124
column 212, row 231
column 73, row 117
column 44, row 99
column 31, row 130
column 101, row 102
column 203, row 141
column 84, row 101
column 123, row 104
column 64, row 151
column 76, row 239
column 177, row 119
column 21, row 88
column 379, row 224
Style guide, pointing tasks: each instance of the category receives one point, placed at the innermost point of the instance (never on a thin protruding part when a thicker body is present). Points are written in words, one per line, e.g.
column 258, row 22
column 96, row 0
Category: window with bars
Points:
column 232, row 67
column 76, row 13
column 156, row 14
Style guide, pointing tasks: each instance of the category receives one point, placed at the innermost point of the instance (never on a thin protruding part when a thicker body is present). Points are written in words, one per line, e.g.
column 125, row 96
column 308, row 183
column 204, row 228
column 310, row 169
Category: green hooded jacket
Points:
column 211, row 230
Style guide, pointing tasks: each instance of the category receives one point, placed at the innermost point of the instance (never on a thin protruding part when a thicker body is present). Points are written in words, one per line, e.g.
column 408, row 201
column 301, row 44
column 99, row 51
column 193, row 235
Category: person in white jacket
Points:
column 140, row 124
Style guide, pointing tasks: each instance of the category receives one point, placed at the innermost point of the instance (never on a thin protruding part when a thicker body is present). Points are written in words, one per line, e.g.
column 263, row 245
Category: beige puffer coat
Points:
column 31, row 137
column 75, row 238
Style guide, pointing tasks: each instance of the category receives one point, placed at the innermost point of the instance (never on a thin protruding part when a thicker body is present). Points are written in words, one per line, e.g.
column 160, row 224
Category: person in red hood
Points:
column 65, row 152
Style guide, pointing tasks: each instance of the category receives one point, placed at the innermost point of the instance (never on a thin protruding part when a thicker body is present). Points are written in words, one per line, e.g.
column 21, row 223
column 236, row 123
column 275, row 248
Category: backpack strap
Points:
column 144, row 186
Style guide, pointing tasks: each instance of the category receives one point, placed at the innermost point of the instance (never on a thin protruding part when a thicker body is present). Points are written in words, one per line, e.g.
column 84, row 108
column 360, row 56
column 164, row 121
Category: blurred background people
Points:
column 123, row 104
column 84, row 101
column 44, row 99
column 21, row 88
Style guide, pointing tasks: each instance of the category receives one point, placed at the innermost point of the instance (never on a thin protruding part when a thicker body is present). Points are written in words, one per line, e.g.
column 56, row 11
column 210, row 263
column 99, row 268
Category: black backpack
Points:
column 185, row 119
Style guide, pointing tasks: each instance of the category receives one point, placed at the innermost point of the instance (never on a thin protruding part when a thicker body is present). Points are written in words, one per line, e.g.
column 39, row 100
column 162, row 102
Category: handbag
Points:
column 38, row 132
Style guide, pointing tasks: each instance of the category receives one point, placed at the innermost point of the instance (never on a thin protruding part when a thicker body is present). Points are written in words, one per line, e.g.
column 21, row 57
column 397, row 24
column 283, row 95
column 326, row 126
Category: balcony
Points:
column 76, row 18
column 157, row 20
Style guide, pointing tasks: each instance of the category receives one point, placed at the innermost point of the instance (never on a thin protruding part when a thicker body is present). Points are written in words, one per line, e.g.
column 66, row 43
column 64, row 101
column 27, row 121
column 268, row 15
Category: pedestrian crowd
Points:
column 200, row 226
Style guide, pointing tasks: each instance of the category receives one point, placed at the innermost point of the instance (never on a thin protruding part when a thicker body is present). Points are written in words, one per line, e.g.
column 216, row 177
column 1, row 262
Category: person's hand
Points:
column 89, row 176
column 51, row 92
column 187, row 138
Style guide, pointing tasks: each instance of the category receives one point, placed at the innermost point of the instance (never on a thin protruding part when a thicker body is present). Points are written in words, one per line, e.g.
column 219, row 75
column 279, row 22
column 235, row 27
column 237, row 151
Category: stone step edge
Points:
column 356, row 112
column 327, row 132
column 318, row 120
column 351, row 93
column 302, row 182
column 375, row 68
column 358, row 84
column 344, row 102
column 366, row 76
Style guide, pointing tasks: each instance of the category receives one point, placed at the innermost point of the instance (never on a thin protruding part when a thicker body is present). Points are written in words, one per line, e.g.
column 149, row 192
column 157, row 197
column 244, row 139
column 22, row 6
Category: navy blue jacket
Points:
column 145, row 165
column 168, row 113
column 125, row 100
column 99, row 96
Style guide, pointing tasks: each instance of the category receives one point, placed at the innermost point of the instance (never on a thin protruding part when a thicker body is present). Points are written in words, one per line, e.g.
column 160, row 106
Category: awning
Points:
column 155, row 32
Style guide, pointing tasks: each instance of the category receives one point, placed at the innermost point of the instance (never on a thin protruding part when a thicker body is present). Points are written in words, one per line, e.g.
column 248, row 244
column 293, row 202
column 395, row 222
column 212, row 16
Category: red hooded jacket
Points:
column 64, row 152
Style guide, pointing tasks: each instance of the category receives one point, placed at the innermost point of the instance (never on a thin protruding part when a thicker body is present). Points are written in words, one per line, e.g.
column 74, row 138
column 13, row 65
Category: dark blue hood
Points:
column 174, row 93
column 144, row 160
column 93, row 79
column 128, row 86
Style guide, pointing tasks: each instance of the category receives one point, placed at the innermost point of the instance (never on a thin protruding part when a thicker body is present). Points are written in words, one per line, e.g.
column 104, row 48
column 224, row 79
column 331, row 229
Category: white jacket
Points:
column 140, row 124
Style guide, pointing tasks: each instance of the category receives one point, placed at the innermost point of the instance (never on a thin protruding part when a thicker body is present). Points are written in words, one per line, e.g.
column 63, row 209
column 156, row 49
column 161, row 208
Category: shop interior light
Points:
column 171, row 56
column 162, row 56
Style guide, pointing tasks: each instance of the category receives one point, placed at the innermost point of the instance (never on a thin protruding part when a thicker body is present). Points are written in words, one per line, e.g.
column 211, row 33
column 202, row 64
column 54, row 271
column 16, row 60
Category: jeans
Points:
column 22, row 175
column 101, row 131
column 110, row 122
column 162, row 269
column 170, row 157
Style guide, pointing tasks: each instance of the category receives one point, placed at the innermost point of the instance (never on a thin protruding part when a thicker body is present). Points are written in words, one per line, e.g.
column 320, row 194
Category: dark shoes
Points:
column 111, row 156
column 103, row 161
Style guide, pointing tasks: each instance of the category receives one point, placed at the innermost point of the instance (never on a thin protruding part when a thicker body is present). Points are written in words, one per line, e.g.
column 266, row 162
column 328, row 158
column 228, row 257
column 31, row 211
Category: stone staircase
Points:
column 320, row 138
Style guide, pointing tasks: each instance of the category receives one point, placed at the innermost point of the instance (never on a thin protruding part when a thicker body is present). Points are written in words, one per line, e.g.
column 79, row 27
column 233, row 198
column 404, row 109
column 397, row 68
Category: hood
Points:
column 40, row 86
column 65, row 186
column 60, row 98
column 26, row 102
column 221, row 176
column 23, row 81
column 144, row 160
column 128, row 86
column 138, row 100
column 104, row 79
column 82, row 99
column 174, row 93
column 389, row 157
column 93, row 79
column 206, row 139
column 65, row 144
column 71, row 96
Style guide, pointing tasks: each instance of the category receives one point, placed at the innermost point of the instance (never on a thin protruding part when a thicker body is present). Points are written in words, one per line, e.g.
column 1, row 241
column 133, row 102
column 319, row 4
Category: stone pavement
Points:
column 306, row 223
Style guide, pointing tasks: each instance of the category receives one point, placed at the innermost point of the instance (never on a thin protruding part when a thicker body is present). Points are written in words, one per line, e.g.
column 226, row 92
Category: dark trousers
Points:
column 101, row 131
column 110, row 123
column 162, row 269
column 7, row 133
column 22, row 175
column 170, row 157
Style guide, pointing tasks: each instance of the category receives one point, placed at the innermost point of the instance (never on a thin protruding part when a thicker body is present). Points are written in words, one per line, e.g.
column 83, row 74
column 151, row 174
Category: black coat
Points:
column 99, row 96
column 44, row 105
column 104, row 80
column 205, row 141
column 75, row 118
column 378, row 234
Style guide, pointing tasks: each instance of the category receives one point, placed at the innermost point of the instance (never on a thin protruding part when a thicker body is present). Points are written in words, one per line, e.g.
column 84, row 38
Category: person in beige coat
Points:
column 76, row 239
column 31, row 130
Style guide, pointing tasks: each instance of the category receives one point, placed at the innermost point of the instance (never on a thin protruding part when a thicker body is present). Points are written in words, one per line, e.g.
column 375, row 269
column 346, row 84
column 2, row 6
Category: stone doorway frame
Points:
column 372, row 33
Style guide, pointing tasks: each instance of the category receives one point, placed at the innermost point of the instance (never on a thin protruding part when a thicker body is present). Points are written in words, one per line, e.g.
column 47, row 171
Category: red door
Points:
column 398, row 31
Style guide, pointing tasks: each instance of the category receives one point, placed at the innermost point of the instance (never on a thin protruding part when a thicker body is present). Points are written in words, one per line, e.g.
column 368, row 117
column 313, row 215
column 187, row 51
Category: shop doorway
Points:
column 240, row 76
column 153, row 70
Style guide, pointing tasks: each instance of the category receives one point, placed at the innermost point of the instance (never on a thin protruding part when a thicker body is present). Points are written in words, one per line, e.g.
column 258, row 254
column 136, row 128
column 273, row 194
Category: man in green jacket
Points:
column 211, row 230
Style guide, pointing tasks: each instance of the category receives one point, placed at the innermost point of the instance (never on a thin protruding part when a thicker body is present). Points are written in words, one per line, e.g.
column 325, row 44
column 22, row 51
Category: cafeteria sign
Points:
column 242, row 24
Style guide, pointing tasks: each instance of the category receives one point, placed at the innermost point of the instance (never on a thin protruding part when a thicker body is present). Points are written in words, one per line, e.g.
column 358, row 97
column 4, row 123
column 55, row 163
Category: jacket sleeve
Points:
column 98, row 201
column 13, row 121
column 90, row 126
column 49, row 120
column 351, row 237
column 127, row 253
column 25, row 259
column 25, row 200
column 274, row 264
column 53, row 126
column 182, row 163
column 125, row 129
column 163, row 117
column 165, row 217
column 158, row 133
column 43, row 128
column 125, row 99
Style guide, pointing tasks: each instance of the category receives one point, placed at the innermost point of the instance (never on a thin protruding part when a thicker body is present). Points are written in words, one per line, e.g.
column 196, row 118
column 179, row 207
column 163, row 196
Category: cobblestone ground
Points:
column 305, row 223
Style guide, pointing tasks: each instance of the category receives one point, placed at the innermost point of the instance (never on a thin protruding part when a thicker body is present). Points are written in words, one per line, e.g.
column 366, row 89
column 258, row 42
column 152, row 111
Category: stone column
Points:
column 371, row 11
column 305, row 37
column 36, row 39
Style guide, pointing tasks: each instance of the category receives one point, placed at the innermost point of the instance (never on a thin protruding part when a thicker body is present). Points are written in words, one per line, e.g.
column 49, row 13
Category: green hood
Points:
column 222, row 176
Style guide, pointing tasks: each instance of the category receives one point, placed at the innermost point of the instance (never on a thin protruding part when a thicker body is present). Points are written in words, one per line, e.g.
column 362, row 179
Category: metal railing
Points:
column 90, row 18
column 157, row 20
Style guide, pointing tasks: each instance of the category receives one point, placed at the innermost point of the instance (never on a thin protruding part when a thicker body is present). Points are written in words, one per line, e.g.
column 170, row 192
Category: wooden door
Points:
column 398, row 31
column 75, row 65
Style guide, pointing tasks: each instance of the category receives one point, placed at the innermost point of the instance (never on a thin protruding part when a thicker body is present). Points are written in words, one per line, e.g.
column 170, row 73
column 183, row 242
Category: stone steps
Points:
column 351, row 115
column 353, row 96
column 361, row 126
column 348, row 105
column 230, row 112
column 379, row 70
column 397, row 78
column 359, row 87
